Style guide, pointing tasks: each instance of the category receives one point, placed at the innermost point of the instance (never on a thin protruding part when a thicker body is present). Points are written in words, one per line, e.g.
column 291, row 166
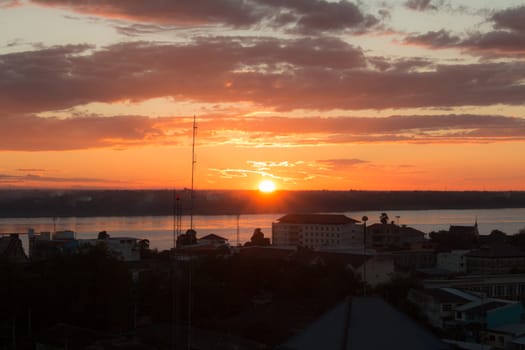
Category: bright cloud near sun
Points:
column 401, row 94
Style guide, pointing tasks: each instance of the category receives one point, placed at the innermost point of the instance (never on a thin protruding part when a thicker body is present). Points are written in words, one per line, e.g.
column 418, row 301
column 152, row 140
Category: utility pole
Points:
column 365, row 219
column 193, row 162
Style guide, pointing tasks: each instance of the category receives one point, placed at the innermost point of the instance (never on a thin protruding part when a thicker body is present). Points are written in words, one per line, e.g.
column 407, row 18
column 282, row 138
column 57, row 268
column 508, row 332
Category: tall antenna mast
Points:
column 193, row 162
column 238, row 231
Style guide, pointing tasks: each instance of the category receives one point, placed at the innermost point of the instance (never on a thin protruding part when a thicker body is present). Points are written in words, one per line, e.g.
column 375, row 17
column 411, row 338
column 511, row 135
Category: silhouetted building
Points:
column 392, row 236
column 411, row 260
column 44, row 245
column 188, row 238
column 317, row 230
column 494, row 259
column 213, row 239
column 11, row 249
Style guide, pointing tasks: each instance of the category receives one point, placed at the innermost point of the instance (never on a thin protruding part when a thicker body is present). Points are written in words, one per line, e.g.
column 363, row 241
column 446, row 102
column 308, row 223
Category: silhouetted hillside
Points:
column 47, row 203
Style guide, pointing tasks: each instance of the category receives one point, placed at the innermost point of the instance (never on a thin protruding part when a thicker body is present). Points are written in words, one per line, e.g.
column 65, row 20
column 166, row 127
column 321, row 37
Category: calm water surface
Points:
column 159, row 229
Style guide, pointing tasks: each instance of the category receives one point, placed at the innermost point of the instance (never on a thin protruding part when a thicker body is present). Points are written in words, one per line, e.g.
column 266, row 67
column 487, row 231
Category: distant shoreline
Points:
column 112, row 203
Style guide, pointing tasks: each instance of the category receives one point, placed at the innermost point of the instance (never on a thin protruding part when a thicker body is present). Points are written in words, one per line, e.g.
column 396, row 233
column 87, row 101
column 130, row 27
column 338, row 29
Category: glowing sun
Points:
column 266, row 186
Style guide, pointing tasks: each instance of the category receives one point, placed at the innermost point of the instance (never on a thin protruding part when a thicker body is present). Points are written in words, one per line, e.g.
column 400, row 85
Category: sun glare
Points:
column 266, row 186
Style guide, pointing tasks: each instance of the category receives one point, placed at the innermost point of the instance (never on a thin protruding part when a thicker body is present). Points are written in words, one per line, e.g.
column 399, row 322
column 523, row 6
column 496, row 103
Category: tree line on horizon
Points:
column 49, row 203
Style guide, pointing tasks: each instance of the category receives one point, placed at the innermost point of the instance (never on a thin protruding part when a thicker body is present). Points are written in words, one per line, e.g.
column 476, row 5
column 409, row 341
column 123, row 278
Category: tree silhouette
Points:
column 258, row 238
column 384, row 218
column 103, row 235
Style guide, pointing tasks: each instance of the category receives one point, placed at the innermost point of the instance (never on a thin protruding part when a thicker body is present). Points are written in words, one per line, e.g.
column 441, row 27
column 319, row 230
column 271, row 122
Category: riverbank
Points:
column 110, row 203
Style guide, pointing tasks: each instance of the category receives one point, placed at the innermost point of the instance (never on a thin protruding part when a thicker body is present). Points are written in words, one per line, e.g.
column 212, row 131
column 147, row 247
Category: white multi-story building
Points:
column 317, row 231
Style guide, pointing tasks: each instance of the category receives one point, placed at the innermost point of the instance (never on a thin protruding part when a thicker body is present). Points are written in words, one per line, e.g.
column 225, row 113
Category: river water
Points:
column 159, row 229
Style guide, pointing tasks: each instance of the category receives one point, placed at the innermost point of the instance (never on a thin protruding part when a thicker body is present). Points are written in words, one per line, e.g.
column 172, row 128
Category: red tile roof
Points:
column 322, row 219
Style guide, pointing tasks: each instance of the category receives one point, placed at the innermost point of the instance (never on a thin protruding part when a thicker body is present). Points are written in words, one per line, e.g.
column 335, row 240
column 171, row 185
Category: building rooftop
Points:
column 393, row 228
column 515, row 329
column 449, row 295
column 467, row 346
column 483, row 305
column 321, row 219
column 213, row 237
column 463, row 230
column 364, row 323
column 497, row 251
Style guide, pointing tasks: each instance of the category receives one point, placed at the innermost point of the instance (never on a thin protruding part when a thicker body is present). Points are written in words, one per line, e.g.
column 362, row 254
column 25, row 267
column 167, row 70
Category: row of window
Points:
column 501, row 290
column 316, row 234
column 309, row 242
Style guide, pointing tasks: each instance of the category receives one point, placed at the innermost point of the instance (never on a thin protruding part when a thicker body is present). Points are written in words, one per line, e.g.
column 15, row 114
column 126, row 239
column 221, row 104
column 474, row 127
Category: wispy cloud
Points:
column 32, row 133
column 342, row 163
column 35, row 180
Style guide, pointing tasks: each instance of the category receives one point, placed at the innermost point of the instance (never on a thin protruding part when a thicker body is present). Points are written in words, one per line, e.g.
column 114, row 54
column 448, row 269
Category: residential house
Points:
column 392, row 236
column 489, row 313
column 495, row 259
column 213, row 240
column 317, row 231
column 503, row 337
column 511, row 287
column 438, row 304
column 519, row 343
column 376, row 269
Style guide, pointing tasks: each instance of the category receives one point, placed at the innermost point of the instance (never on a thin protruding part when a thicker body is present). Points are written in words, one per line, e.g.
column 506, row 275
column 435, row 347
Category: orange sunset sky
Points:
column 312, row 94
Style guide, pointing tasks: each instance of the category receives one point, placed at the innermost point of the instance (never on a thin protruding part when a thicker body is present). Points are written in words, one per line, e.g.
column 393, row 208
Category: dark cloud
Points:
column 507, row 38
column 441, row 38
column 311, row 16
column 308, row 16
column 309, row 73
column 237, row 13
column 422, row 5
column 66, row 76
column 512, row 19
